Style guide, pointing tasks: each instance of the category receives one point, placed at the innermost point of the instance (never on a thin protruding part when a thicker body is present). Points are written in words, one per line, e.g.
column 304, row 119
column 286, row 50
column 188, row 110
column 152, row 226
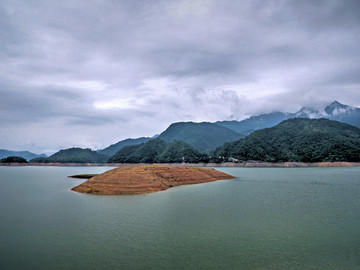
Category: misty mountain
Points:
column 298, row 139
column 255, row 122
column 343, row 113
column 306, row 112
column 334, row 111
column 336, row 108
column 204, row 137
column 24, row 154
column 112, row 149
column 73, row 155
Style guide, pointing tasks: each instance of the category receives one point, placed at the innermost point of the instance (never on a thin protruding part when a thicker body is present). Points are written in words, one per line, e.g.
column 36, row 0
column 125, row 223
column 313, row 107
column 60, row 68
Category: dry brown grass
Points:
column 147, row 178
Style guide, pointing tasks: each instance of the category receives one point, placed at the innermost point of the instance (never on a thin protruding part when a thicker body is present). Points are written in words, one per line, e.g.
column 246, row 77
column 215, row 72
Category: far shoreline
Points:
column 248, row 164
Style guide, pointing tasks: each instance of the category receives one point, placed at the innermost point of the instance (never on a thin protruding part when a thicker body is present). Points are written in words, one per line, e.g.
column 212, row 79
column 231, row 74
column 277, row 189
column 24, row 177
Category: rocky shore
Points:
column 147, row 178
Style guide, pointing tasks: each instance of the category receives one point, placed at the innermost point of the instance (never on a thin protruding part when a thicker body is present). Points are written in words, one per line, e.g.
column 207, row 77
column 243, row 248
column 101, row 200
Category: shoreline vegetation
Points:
column 248, row 164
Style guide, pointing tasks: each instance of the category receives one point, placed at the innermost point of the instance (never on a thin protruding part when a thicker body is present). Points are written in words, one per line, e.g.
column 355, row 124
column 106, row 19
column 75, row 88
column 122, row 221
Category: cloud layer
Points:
column 90, row 73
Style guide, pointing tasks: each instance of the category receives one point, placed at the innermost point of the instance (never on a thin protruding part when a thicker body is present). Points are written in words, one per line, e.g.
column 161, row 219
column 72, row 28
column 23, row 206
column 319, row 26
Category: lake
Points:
column 266, row 218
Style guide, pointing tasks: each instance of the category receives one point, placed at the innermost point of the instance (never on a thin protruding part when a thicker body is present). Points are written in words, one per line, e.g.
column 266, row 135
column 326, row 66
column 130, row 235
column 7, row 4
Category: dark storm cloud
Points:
column 130, row 68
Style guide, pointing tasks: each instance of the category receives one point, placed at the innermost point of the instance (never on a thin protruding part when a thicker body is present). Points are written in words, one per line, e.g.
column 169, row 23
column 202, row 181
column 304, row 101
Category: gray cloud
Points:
column 89, row 73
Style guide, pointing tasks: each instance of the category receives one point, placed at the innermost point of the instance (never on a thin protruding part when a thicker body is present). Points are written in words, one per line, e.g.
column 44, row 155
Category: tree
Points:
column 14, row 159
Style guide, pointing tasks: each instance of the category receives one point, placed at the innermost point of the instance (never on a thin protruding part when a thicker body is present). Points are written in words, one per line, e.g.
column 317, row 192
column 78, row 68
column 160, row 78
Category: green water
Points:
column 272, row 218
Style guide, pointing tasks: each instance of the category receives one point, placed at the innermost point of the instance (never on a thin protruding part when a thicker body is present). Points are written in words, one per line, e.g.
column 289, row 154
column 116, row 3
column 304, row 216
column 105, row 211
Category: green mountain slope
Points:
column 180, row 151
column 74, row 155
column 298, row 139
column 204, row 137
column 141, row 153
column 112, row 149
column 158, row 151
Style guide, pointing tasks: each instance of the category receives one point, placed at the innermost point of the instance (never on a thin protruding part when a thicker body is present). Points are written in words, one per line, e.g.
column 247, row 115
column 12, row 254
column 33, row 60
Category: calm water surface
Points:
column 271, row 218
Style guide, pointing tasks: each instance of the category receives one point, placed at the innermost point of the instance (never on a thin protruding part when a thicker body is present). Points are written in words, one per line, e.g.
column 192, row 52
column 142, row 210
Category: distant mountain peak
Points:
column 337, row 103
column 24, row 154
column 307, row 112
column 336, row 108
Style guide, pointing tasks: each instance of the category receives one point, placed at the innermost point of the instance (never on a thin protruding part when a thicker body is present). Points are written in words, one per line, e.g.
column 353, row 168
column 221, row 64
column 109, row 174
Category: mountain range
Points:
column 294, row 140
column 205, row 137
column 24, row 154
column 334, row 111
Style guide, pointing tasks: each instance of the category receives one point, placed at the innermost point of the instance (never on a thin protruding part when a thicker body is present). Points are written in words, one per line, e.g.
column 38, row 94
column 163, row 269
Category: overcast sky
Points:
column 90, row 73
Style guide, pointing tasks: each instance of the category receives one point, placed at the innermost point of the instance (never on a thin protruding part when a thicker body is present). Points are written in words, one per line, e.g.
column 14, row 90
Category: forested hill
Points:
column 299, row 139
column 204, row 137
column 73, row 155
column 112, row 149
column 159, row 151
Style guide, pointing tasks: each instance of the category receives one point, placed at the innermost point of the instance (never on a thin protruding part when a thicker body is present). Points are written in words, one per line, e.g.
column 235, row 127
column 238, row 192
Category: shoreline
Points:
column 249, row 164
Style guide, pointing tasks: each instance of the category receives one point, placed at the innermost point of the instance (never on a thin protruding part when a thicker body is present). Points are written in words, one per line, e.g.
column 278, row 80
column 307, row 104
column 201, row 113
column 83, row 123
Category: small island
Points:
column 147, row 178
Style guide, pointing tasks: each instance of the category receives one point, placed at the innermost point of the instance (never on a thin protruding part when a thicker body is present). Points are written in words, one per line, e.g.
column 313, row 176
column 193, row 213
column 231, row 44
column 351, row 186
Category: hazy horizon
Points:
column 91, row 73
